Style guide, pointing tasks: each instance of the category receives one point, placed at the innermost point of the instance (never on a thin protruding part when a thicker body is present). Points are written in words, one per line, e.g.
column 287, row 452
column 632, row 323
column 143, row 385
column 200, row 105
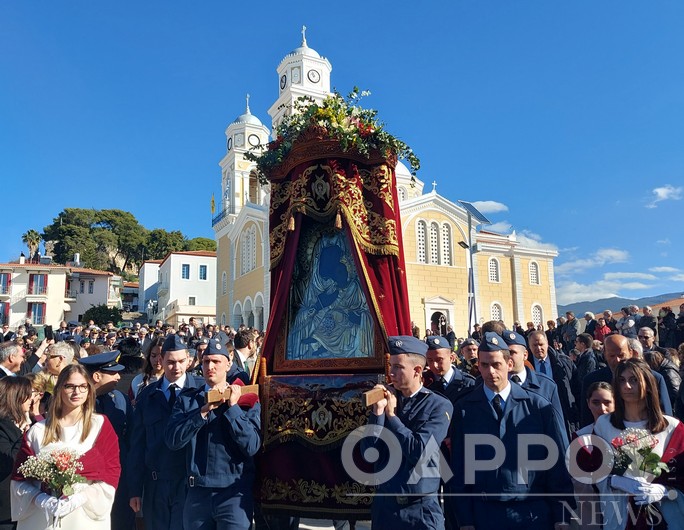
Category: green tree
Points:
column 160, row 242
column 201, row 243
column 31, row 239
column 101, row 314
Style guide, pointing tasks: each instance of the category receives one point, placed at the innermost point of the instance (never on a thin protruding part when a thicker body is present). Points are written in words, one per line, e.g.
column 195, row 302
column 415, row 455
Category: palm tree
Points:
column 32, row 240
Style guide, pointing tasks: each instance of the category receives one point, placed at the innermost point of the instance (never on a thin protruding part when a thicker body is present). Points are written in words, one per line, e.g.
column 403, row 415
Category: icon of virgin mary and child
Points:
column 331, row 314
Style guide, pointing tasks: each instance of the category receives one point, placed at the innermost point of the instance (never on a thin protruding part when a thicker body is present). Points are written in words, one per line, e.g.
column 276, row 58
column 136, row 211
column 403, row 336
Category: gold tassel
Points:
column 290, row 225
column 338, row 220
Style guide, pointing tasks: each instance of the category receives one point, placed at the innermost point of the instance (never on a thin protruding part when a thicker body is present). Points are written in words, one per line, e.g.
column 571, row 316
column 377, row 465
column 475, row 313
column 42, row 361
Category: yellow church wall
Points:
column 535, row 293
column 223, row 258
column 495, row 292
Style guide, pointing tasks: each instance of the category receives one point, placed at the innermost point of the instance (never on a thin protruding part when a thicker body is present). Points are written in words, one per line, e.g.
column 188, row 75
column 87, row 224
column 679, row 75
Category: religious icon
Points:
column 331, row 317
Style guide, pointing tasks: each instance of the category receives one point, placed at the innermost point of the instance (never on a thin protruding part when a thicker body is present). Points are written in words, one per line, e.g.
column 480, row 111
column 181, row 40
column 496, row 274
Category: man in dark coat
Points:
column 560, row 368
column 495, row 498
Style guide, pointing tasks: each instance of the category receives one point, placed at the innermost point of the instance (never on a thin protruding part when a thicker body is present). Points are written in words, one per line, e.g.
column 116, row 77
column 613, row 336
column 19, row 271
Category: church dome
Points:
column 305, row 50
column 248, row 117
column 401, row 171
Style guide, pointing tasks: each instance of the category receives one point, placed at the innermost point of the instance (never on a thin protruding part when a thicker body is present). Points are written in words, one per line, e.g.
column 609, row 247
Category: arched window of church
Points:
column 534, row 273
column 243, row 253
column 434, row 243
column 420, row 237
column 253, row 248
column 496, row 312
column 494, row 273
column 224, row 283
column 253, row 188
column 402, row 193
column 446, row 244
column 223, row 319
column 537, row 314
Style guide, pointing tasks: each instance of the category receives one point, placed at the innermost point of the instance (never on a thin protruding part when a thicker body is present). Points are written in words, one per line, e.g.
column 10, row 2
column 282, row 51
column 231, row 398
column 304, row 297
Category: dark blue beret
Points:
column 511, row 337
column 216, row 348
column 435, row 342
column 103, row 361
column 492, row 342
column 407, row 344
column 174, row 342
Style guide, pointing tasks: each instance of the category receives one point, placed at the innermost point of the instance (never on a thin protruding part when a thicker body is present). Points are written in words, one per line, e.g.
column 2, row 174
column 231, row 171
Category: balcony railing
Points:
column 71, row 294
column 37, row 290
column 5, row 289
column 218, row 217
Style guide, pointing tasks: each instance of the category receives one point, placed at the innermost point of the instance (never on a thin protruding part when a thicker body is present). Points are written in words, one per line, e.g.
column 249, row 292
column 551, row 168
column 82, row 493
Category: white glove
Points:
column 650, row 493
column 46, row 502
column 69, row 504
column 627, row 484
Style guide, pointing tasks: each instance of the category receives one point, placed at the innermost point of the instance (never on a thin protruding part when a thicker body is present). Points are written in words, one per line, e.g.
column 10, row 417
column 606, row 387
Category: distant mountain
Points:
column 615, row 303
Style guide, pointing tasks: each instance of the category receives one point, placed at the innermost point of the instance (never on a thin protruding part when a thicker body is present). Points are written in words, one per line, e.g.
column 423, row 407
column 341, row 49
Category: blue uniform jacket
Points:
column 546, row 387
column 455, row 388
column 117, row 407
column 149, row 452
column 219, row 449
column 424, row 416
column 525, row 413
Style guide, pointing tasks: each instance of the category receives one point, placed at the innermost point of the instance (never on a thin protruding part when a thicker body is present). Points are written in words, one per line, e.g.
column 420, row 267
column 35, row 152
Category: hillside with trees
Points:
column 111, row 240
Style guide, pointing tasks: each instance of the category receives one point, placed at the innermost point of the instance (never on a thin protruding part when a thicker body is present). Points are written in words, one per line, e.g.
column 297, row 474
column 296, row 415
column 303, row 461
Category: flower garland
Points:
column 343, row 119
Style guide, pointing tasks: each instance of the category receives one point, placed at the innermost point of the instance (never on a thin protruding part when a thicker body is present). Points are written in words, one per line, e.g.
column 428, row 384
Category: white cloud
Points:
column 602, row 256
column 571, row 292
column 531, row 240
column 628, row 276
column 568, row 249
column 490, row 206
column 502, row 227
column 663, row 241
column 663, row 269
column 677, row 278
column 664, row 193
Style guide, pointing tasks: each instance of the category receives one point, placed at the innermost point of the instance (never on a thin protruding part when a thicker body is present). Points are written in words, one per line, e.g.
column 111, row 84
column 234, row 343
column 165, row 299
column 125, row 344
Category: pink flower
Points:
column 617, row 442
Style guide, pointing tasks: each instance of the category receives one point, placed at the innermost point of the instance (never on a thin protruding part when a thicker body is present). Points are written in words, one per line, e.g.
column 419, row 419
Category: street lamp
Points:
column 473, row 213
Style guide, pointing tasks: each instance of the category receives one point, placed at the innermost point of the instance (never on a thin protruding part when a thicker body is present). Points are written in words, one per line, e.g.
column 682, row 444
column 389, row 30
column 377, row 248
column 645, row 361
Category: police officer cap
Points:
column 407, row 344
column 173, row 343
column 435, row 342
column 492, row 342
column 469, row 342
column 511, row 337
column 102, row 362
column 216, row 348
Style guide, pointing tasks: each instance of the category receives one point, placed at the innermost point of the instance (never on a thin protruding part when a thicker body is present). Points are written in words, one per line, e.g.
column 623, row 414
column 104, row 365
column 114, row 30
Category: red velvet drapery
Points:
column 359, row 197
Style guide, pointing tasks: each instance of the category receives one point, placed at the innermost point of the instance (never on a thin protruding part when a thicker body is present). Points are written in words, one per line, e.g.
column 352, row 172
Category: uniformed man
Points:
column 418, row 418
column 159, row 483
column 509, row 495
column 451, row 383
column 530, row 380
column 221, row 439
column 104, row 370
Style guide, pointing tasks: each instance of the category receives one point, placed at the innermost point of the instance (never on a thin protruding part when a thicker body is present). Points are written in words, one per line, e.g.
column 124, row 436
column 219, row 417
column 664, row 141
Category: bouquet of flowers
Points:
column 634, row 455
column 57, row 470
column 341, row 119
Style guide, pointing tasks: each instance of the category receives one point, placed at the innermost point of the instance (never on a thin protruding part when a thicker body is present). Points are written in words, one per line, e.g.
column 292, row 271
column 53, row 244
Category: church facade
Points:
column 457, row 275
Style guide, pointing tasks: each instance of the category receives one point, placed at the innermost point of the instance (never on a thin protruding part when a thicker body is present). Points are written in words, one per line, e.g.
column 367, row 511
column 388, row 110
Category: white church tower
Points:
column 303, row 72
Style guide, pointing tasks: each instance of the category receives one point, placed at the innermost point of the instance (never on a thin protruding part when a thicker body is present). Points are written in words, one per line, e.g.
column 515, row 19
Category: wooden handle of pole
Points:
column 372, row 396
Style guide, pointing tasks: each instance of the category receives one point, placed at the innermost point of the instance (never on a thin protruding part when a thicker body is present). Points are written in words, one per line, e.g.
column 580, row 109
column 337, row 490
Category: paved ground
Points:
column 323, row 524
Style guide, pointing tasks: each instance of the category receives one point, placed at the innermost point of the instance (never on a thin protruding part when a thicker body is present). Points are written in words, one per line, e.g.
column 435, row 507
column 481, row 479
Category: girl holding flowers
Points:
column 82, row 450
column 647, row 485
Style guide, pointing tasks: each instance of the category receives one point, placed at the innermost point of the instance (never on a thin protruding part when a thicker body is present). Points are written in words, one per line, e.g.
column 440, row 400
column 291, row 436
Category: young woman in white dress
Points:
column 71, row 423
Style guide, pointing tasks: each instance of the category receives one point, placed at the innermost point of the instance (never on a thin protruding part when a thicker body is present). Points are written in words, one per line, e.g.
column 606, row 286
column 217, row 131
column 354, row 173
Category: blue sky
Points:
column 567, row 116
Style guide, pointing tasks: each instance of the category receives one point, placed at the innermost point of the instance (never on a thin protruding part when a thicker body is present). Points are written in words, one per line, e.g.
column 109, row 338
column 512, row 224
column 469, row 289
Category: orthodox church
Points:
column 457, row 275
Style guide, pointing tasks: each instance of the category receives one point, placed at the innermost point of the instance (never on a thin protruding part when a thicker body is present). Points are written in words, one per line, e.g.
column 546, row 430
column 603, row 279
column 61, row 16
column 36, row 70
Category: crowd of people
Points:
column 165, row 434
column 132, row 404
